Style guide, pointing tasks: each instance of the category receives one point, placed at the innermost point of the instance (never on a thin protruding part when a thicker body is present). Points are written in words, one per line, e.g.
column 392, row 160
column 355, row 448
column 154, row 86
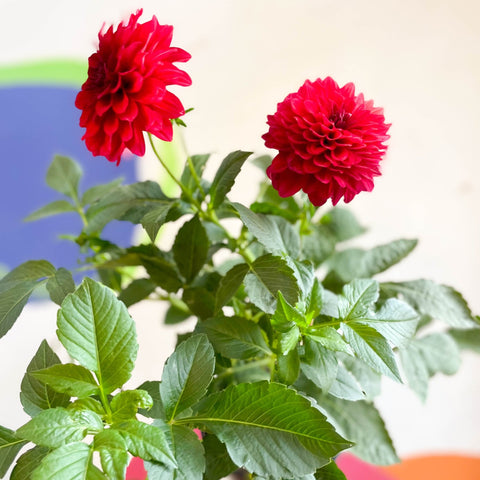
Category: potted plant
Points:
column 293, row 331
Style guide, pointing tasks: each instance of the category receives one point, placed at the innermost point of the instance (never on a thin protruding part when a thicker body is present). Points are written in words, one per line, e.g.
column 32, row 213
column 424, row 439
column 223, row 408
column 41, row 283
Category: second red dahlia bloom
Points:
column 126, row 90
column 329, row 141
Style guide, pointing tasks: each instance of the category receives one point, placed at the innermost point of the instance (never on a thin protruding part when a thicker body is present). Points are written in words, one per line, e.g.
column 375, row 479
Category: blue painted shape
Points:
column 35, row 124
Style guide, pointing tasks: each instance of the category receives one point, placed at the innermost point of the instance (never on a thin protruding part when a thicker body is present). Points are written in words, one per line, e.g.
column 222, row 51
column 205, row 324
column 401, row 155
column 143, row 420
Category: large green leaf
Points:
column 396, row 321
column 99, row 191
column 58, row 426
column 268, row 276
column 286, row 435
column 357, row 299
column 225, row 176
column 357, row 263
column 424, row 357
column 10, row 445
column 96, row 329
column 63, row 175
column 113, row 453
column 189, row 453
column 146, row 441
column 439, row 301
column 235, row 337
column 190, row 248
column 69, row 462
column 74, row 380
column 52, row 208
column 186, row 375
column 276, row 234
column 372, row 348
column 155, row 218
column 319, row 364
column 346, row 385
column 361, row 422
column 35, row 395
column 218, row 462
column 229, row 284
column 16, row 288
column 127, row 202
column 342, row 224
column 60, row 285
column 28, row 462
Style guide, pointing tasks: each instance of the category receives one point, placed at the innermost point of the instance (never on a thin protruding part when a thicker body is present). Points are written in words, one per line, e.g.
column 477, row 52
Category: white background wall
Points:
column 419, row 59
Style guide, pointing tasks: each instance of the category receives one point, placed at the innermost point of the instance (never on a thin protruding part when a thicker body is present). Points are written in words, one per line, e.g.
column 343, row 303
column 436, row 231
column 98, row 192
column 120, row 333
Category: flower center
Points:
column 340, row 118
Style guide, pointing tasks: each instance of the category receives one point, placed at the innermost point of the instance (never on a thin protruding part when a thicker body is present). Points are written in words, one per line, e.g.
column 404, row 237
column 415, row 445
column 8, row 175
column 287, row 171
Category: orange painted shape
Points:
column 436, row 467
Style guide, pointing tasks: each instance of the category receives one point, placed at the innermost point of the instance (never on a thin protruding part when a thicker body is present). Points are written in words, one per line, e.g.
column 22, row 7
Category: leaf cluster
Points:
column 293, row 335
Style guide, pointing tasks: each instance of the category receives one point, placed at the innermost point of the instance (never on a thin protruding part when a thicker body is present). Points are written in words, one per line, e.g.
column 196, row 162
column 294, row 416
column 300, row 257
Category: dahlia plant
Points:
column 293, row 331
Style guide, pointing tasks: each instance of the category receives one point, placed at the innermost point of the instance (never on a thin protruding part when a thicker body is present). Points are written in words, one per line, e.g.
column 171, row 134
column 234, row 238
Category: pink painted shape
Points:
column 355, row 469
column 135, row 470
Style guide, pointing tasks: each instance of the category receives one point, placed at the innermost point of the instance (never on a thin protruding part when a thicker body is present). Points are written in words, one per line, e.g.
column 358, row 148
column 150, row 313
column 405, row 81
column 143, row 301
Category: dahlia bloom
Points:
column 126, row 90
column 329, row 141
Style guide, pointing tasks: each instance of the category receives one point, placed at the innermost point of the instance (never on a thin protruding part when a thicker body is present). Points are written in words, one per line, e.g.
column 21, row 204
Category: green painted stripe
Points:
column 44, row 72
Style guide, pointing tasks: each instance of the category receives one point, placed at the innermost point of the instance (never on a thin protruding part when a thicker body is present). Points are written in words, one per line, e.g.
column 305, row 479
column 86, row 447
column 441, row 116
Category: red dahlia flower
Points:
column 329, row 142
column 126, row 90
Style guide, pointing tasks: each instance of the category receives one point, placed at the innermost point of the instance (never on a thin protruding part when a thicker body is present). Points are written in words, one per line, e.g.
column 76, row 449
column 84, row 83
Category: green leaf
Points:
column 372, row 348
column 146, row 441
column 127, row 202
column 200, row 301
column 56, row 427
column 197, row 163
column 10, row 445
column 319, row 365
column 267, row 277
column 126, row 404
column 229, row 284
column 154, row 219
column 225, row 176
column 74, row 380
column 286, row 435
column 157, row 410
column 28, row 462
column 439, row 301
column 235, row 337
column 346, row 386
column 16, row 288
column 175, row 315
column 88, row 403
column 361, row 422
column 190, row 248
column 276, row 234
column 424, row 357
column 63, row 175
column 137, row 290
column 288, row 367
column 52, row 208
column 342, row 224
column 285, row 314
column 357, row 299
column 186, row 375
column 35, row 396
column 162, row 272
column 318, row 245
column 330, row 472
column 328, row 337
column 96, row 329
column 98, row 191
column 188, row 451
column 396, row 321
column 466, row 339
column 369, row 382
column 60, row 285
column 288, row 339
column 69, row 462
column 356, row 263
column 218, row 462
column 113, row 453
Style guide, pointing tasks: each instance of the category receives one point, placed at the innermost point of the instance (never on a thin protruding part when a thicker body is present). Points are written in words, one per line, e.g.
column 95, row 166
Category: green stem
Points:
column 106, row 405
column 184, row 190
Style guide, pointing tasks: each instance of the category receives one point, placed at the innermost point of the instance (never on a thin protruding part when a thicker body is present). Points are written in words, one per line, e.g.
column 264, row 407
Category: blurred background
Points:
column 419, row 59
